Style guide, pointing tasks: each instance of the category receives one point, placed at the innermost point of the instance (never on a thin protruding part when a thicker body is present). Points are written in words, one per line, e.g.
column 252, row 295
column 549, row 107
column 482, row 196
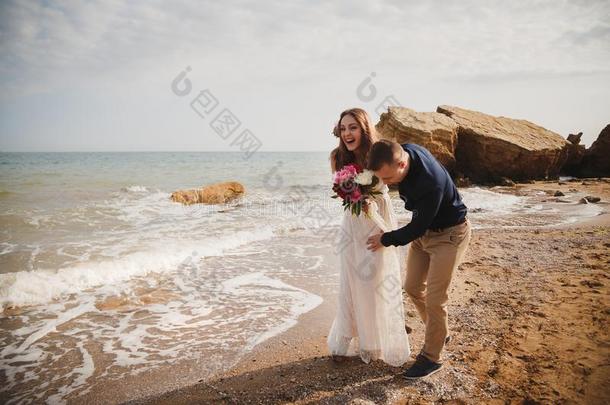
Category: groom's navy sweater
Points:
column 429, row 192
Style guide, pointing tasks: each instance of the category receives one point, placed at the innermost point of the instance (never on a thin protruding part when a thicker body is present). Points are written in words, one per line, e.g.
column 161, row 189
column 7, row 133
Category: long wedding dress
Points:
column 370, row 306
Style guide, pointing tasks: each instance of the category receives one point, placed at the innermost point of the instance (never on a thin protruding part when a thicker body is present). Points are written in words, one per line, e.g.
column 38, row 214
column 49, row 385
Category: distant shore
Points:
column 529, row 312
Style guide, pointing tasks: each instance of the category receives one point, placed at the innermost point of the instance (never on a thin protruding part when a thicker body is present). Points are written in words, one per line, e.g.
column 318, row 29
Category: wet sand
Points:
column 528, row 313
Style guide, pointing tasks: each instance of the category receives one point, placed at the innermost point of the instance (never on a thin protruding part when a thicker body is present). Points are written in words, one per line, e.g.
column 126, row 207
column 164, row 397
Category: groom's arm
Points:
column 423, row 214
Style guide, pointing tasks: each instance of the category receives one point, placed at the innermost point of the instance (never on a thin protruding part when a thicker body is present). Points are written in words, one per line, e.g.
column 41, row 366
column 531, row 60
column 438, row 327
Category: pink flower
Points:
column 356, row 195
column 336, row 178
column 352, row 170
column 346, row 173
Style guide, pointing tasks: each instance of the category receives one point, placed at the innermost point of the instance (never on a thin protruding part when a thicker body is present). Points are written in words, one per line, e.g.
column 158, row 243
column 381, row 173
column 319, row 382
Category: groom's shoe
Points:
column 421, row 368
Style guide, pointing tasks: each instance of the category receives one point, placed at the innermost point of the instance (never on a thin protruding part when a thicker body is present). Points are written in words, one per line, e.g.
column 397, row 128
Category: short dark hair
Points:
column 383, row 152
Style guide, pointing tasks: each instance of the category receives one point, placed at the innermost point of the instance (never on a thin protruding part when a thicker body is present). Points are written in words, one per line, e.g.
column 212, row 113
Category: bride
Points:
column 370, row 309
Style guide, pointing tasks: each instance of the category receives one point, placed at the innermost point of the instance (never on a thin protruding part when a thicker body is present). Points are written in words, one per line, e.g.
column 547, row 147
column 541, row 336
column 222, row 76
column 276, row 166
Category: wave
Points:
column 134, row 189
column 42, row 286
column 481, row 200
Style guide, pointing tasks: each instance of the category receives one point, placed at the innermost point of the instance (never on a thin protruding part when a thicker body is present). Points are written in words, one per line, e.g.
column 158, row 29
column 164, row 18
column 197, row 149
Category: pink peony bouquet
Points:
column 354, row 185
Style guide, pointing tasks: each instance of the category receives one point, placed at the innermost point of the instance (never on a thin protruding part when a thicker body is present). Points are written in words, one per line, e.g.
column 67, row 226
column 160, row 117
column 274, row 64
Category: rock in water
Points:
column 218, row 193
column 186, row 197
column 596, row 161
column 592, row 199
column 434, row 131
column 490, row 147
column 221, row 192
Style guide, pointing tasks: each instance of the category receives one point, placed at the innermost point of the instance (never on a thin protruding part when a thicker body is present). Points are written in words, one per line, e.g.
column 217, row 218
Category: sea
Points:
column 103, row 276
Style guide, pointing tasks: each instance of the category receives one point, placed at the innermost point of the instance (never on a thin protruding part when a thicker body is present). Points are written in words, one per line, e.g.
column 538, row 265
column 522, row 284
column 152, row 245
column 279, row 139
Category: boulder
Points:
column 491, row 147
column 576, row 152
column 461, row 181
column 436, row 132
column 592, row 199
column 506, row 182
column 218, row 193
column 574, row 139
column 596, row 160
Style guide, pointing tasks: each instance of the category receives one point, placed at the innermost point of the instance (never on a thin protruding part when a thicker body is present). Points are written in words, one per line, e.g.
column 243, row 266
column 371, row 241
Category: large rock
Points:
column 436, row 132
column 218, row 193
column 576, row 152
column 490, row 147
column 596, row 162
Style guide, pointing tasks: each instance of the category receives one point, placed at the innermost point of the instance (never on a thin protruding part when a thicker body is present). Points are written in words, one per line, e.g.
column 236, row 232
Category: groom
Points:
column 438, row 233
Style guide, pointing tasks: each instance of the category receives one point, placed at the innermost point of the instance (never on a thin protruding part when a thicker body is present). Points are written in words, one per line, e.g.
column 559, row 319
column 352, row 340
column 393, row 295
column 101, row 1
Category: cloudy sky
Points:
column 97, row 76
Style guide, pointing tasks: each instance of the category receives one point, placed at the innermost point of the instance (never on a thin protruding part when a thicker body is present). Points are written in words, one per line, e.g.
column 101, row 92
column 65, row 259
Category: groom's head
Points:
column 389, row 161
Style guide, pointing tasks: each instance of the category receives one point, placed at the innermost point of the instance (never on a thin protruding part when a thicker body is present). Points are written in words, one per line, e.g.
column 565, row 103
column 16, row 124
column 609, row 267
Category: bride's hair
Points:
column 343, row 156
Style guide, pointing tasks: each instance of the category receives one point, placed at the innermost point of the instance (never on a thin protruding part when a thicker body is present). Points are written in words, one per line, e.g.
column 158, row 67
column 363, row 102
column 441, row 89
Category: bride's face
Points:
column 351, row 134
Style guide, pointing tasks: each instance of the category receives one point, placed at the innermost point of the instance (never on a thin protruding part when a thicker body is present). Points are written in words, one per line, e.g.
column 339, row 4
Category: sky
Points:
column 105, row 75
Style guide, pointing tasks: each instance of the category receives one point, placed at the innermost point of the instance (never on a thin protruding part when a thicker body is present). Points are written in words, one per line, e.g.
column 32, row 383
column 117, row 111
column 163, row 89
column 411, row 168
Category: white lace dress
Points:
column 370, row 308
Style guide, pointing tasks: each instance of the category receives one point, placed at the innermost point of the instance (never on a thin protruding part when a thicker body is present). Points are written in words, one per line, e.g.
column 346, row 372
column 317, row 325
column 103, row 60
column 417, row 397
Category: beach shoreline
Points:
column 521, row 331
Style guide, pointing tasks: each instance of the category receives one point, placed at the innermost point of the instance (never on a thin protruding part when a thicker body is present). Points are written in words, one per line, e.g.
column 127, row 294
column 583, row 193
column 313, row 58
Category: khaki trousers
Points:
column 431, row 261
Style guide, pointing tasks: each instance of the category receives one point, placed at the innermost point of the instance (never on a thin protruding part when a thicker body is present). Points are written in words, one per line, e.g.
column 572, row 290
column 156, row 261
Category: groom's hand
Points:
column 374, row 242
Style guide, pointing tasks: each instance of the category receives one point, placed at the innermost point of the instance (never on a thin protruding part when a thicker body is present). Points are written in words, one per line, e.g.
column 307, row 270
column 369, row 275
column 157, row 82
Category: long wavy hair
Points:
column 344, row 156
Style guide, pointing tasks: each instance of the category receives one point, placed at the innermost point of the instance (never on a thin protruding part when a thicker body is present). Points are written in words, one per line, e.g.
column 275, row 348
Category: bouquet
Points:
column 355, row 185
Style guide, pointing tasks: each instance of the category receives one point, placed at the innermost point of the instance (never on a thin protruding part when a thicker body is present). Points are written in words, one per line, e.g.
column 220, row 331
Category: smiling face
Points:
column 350, row 131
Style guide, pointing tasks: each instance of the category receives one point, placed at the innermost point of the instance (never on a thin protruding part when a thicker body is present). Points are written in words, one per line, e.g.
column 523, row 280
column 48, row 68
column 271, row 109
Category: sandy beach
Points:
column 529, row 311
